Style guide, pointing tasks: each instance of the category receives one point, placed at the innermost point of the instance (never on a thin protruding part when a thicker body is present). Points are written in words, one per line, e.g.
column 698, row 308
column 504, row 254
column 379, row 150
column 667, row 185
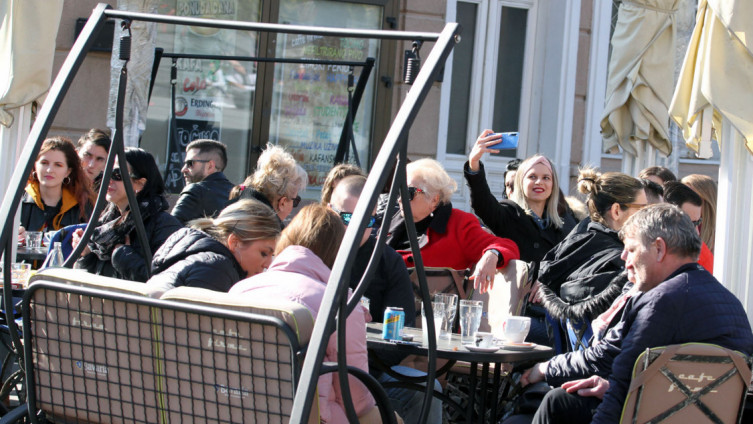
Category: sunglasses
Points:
column 117, row 176
column 188, row 163
column 412, row 192
column 698, row 222
column 347, row 216
column 296, row 200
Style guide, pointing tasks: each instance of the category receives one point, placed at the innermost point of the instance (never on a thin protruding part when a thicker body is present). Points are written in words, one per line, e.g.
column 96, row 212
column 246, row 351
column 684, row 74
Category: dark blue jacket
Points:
column 690, row 306
column 205, row 198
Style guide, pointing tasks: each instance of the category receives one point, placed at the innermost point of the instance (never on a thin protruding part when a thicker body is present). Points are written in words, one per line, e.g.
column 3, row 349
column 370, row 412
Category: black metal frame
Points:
column 394, row 149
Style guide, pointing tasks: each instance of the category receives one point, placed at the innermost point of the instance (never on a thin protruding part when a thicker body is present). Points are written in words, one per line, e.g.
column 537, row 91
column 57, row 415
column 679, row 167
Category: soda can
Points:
column 394, row 321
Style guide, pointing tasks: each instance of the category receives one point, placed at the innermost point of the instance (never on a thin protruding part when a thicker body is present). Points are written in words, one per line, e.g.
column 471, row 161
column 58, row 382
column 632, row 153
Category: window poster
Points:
column 310, row 101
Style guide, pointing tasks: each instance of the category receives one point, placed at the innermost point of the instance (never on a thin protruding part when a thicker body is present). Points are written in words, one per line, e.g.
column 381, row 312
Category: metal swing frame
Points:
column 336, row 305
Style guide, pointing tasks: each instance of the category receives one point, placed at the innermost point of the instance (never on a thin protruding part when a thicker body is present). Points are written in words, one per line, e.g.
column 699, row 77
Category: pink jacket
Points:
column 299, row 275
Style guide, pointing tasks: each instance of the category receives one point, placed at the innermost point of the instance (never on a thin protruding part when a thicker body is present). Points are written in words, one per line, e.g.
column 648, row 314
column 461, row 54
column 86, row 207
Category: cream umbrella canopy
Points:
column 28, row 29
column 714, row 99
column 640, row 81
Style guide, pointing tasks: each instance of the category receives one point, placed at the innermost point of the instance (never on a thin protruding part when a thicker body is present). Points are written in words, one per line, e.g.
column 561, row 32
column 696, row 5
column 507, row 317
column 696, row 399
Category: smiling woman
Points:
column 57, row 191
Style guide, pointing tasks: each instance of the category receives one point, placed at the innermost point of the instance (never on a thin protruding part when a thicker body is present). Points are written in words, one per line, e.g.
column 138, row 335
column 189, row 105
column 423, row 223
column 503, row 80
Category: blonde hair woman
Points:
column 215, row 253
column 448, row 237
column 529, row 217
column 707, row 189
column 299, row 272
column 277, row 182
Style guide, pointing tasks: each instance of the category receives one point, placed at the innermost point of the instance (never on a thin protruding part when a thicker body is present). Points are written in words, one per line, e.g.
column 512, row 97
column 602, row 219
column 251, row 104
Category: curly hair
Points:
column 276, row 174
column 433, row 177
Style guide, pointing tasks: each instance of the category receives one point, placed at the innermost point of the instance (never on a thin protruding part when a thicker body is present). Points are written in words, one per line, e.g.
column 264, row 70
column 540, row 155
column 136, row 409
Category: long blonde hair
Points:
column 248, row 219
column 707, row 189
column 518, row 195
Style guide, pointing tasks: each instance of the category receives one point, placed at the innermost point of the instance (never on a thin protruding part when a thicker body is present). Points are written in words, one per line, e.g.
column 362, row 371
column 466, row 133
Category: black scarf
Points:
column 110, row 232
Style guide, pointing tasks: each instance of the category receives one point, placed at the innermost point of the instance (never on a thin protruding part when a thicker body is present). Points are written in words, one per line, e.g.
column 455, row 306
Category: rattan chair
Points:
column 688, row 383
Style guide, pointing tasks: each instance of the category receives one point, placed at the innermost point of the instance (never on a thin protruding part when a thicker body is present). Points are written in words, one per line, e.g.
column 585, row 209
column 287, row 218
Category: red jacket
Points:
column 706, row 259
column 454, row 239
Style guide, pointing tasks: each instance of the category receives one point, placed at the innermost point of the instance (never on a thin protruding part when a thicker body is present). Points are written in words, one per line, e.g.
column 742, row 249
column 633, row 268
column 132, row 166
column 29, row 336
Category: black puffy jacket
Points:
column 193, row 258
column 583, row 274
column 128, row 261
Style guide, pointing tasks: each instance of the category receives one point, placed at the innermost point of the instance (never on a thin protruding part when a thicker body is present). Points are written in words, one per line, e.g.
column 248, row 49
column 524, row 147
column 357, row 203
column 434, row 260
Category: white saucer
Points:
column 518, row 346
column 473, row 348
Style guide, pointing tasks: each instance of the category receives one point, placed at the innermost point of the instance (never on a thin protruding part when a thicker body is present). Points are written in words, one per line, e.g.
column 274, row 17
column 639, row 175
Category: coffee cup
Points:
column 516, row 328
column 484, row 340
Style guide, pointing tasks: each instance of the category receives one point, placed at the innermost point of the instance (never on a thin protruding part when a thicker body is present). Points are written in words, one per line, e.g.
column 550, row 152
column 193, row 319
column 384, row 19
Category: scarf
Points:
column 111, row 231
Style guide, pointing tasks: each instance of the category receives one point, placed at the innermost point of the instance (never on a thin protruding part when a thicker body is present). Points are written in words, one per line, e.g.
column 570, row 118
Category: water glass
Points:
column 450, row 308
column 470, row 319
column 34, row 239
column 439, row 316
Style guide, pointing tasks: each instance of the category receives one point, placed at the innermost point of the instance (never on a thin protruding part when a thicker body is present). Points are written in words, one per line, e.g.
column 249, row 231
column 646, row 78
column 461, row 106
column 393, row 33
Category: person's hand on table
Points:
column 486, row 268
column 534, row 374
column 593, row 386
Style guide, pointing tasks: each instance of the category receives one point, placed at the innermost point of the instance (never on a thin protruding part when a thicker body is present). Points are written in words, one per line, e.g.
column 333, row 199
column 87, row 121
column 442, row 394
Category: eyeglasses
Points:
column 698, row 222
column 635, row 205
column 296, row 200
column 189, row 162
column 347, row 216
column 117, row 176
column 412, row 192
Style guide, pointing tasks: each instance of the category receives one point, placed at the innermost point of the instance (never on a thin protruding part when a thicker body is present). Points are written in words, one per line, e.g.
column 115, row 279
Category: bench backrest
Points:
column 96, row 355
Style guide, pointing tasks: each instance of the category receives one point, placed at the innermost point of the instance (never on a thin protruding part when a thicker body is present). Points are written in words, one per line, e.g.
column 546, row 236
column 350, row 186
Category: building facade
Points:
column 533, row 66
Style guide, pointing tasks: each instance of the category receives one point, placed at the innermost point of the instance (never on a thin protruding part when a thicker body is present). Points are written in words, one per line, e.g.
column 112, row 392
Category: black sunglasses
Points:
column 189, row 162
column 296, row 200
column 117, row 176
column 412, row 192
column 347, row 216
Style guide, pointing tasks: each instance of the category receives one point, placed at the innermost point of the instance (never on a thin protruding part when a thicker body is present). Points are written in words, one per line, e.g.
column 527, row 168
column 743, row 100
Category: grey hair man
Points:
column 207, row 188
column 680, row 302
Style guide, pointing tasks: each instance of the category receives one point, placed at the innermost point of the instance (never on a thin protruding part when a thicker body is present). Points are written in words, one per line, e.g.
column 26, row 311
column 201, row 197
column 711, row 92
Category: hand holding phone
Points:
column 509, row 140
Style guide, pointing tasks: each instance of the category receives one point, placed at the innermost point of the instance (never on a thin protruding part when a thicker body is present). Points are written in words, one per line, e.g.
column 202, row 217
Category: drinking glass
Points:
column 470, row 319
column 34, row 239
column 450, row 308
column 439, row 316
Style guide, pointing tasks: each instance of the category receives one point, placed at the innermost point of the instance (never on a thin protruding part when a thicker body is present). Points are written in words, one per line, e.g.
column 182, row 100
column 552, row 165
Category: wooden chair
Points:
column 688, row 383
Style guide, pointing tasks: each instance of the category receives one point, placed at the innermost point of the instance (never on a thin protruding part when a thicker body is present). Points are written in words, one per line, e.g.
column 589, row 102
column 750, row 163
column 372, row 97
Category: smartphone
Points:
column 509, row 140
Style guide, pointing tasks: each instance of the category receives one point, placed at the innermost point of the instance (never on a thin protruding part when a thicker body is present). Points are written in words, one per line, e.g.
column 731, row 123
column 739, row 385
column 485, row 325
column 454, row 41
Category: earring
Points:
column 68, row 180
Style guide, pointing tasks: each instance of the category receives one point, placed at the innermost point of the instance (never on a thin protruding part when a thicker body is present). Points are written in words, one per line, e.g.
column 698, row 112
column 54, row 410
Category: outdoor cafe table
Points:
column 30, row 255
column 454, row 351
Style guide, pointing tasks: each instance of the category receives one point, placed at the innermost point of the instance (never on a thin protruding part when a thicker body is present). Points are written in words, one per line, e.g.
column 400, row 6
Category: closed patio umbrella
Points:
column 28, row 29
column 714, row 99
column 640, row 81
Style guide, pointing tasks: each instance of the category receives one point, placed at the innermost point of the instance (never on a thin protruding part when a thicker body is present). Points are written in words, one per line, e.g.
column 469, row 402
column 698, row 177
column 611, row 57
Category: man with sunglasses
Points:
column 390, row 286
column 682, row 196
column 207, row 189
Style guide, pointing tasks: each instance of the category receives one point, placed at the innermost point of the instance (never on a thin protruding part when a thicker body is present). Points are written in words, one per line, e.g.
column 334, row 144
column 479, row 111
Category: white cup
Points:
column 484, row 340
column 516, row 328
